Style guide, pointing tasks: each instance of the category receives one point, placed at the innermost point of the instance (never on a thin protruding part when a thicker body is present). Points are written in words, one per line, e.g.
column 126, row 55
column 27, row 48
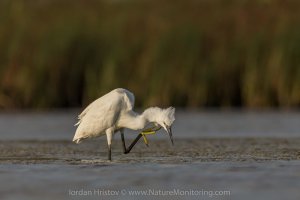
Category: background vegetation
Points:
column 191, row 53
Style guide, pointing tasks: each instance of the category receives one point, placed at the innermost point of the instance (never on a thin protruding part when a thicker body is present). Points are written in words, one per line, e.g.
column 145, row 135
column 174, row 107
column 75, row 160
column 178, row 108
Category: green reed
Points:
column 185, row 53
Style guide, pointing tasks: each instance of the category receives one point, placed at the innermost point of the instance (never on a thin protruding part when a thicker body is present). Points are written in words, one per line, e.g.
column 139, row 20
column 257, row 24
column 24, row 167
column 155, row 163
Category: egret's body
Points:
column 113, row 112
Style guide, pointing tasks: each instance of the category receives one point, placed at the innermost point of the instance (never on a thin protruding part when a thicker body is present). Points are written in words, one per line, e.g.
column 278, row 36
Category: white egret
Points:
column 113, row 112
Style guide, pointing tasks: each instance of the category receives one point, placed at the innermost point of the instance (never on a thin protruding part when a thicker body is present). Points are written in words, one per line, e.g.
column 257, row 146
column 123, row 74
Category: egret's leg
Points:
column 133, row 143
column 109, row 139
column 123, row 141
column 125, row 150
column 109, row 152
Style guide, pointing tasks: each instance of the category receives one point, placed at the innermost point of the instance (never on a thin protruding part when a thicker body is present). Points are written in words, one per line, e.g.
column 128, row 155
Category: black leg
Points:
column 133, row 143
column 123, row 142
column 109, row 152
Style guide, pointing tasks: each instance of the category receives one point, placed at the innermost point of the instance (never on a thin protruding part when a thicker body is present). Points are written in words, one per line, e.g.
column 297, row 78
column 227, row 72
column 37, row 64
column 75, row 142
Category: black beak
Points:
column 170, row 134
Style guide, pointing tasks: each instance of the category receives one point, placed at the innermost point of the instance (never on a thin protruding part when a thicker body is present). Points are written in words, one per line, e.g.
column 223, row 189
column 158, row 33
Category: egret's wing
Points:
column 81, row 115
column 98, row 118
column 102, row 114
column 128, row 98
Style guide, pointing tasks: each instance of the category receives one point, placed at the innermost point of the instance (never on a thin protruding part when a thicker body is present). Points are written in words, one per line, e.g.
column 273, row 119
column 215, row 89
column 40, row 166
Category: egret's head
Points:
column 166, row 117
column 163, row 118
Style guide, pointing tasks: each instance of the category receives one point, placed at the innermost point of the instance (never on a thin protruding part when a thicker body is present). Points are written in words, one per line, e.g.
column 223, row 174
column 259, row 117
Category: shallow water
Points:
column 244, row 180
column 58, row 125
column 252, row 155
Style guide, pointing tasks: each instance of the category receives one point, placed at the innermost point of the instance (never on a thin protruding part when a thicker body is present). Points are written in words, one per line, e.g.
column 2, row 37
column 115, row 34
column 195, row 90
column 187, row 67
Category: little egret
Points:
column 113, row 112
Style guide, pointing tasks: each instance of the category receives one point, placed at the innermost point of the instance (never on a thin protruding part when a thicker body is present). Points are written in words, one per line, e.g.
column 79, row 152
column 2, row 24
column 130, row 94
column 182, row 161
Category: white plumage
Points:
column 114, row 111
column 103, row 114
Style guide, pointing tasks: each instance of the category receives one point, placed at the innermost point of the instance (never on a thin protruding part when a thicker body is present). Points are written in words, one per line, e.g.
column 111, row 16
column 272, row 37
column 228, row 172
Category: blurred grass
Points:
column 223, row 53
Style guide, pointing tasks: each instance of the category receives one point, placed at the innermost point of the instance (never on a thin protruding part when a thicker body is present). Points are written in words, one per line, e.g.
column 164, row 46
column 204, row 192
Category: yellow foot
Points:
column 149, row 131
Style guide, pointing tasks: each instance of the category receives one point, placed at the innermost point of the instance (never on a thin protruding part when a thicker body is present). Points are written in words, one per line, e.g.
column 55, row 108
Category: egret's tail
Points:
column 77, row 141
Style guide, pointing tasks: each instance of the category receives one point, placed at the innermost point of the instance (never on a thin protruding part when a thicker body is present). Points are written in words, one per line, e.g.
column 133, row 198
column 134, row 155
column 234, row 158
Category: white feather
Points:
column 114, row 111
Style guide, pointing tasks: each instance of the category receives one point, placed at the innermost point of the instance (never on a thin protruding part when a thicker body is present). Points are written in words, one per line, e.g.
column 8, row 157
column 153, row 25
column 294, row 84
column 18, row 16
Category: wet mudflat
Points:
column 159, row 151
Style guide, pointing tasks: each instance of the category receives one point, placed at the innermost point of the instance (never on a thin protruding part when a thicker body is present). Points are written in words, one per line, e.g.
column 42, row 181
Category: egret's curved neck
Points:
column 135, row 121
column 132, row 120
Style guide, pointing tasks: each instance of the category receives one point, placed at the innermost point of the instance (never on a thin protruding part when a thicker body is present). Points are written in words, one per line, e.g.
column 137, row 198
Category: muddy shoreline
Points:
column 160, row 151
